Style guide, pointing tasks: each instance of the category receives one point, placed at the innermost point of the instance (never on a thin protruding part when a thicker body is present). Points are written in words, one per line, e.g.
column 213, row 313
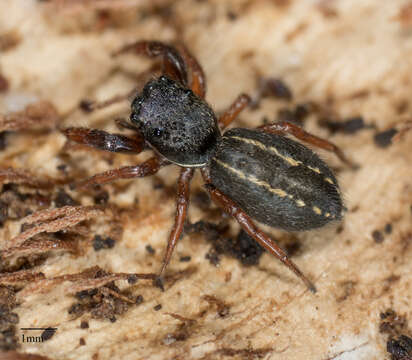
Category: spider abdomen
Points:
column 276, row 180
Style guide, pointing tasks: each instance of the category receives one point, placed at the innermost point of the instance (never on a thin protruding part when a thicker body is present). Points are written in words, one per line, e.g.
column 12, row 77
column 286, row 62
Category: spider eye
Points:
column 134, row 118
column 157, row 132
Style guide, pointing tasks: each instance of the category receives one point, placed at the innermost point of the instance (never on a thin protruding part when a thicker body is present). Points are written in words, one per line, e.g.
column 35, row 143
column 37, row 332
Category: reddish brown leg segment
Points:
column 198, row 79
column 147, row 168
column 173, row 63
column 103, row 140
column 283, row 127
column 247, row 224
column 230, row 114
column 181, row 209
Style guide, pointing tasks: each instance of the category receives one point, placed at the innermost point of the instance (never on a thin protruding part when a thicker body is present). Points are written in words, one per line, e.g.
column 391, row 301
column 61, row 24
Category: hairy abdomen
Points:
column 276, row 180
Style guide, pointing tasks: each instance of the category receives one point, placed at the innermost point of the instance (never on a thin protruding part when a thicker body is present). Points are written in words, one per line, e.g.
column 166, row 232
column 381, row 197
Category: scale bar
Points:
column 48, row 328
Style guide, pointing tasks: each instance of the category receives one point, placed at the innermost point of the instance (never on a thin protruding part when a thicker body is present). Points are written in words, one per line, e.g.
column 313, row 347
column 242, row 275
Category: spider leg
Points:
column 173, row 64
column 237, row 106
column 231, row 208
column 147, row 168
column 197, row 75
column 103, row 140
column 284, row 127
column 181, row 210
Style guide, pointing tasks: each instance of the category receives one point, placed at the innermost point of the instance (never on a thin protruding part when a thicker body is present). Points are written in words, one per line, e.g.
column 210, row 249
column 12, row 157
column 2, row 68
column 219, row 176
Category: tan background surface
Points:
column 328, row 52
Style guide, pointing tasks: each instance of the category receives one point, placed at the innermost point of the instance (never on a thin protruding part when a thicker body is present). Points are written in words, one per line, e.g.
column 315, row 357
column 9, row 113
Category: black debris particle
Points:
column 8, row 319
column 384, row 139
column 150, row 250
column 62, row 167
column 201, row 199
column 392, row 323
column 48, row 334
column 271, row 87
column 103, row 303
column 100, row 243
column 401, row 348
column 291, row 247
column 243, row 247
column 399, row 343
column 212, row 233
column 388, row 228
column 3, row 212
column 349, row 126
column 86, row 105
column 302, row 111
column 16, row 204
column 213, row 257
column 157, row 307
column 377, row 236
column 82, row 342
column 84, row 324
column 101, row 198
column 3, row 141
column 277, row 88
column 139, row 299
column 64, row 199
column 297, row 115
column 132, row 279
column 185, row 259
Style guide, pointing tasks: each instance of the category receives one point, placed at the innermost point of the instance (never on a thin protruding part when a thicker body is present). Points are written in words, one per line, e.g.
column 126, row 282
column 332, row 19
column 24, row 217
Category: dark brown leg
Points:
column 181, row 209
column 247, row 224
column 284, row 127
column 103, row 140
column 230, row 114
column 173, row 63
column 198, row 79
column 147, row 168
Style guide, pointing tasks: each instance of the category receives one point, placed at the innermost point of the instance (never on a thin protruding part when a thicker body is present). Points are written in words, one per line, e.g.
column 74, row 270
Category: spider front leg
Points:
column 176, row 64
column 284, row 127
column 231, row 208
column 182, row 203
column 103, row 140
column 172, row 62
column 197, row 75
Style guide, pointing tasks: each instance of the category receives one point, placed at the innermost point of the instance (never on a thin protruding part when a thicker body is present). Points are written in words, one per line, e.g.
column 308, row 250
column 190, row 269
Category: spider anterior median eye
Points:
column 157, row 132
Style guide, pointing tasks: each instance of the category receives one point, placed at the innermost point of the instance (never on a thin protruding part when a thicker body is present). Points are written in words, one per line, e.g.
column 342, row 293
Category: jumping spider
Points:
column 257, row 173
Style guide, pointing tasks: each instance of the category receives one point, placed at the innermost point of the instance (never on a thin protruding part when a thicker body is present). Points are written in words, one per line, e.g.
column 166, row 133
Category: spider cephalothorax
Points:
column 176, row 122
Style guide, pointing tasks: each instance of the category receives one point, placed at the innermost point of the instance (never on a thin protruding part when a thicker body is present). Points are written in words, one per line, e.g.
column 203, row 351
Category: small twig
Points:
column 18, row 276
column 72, row 215
column 41, row 114
column 21, row 176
